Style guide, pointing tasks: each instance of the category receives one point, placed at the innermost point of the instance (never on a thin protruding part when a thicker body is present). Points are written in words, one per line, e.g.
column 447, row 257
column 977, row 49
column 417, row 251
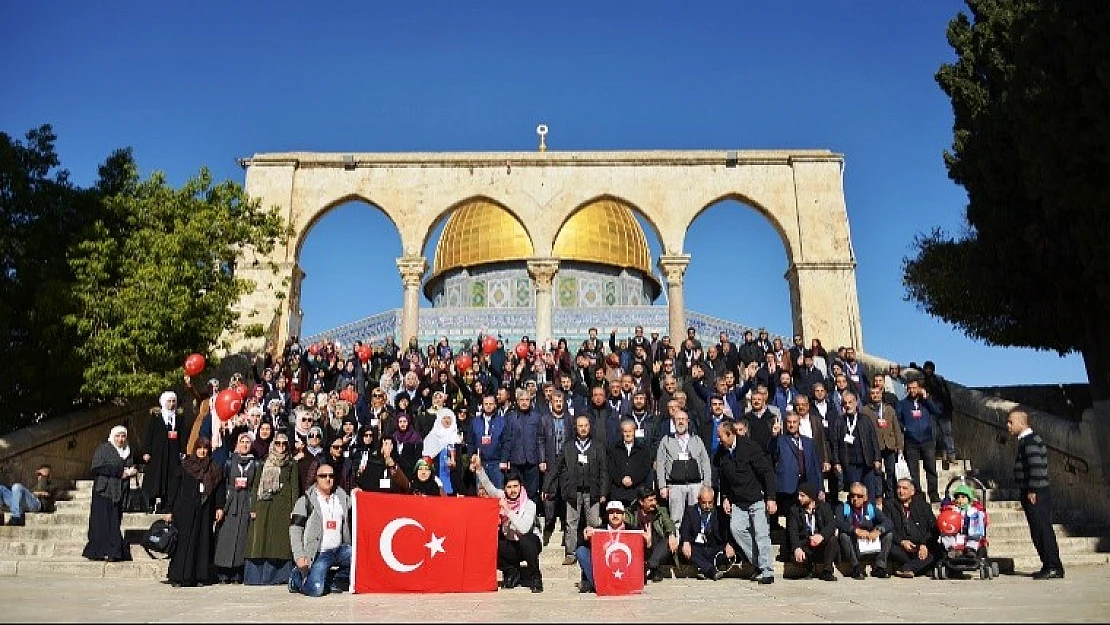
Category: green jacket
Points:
column 663, row 525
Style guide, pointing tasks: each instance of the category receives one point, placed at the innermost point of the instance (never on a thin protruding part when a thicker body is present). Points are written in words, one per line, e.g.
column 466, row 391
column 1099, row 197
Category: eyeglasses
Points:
column 365, row 434
column 857, row 496
column 325, row 476
column 337, row 447
column 314, row 436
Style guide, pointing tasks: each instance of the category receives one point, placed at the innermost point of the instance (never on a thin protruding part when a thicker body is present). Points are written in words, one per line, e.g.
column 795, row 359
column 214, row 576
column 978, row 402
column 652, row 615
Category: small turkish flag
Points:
column 406, row 543
column 618, row 559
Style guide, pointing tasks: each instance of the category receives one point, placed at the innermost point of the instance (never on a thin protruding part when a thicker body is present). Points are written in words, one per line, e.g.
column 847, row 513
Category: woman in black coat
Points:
column 111, row 465
column 163, row 447
column 196, row 501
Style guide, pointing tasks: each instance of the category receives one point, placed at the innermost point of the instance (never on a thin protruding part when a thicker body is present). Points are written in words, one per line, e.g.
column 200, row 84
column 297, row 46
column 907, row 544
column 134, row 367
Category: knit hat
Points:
column 809, row 489
column 964, row 489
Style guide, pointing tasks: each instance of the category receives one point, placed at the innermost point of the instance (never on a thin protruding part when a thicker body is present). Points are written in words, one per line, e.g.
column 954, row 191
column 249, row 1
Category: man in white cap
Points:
column 614, row 521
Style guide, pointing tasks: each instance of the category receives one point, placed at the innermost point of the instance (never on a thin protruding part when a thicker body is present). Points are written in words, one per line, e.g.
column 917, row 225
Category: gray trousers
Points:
column 577, row 505
column 679, row 497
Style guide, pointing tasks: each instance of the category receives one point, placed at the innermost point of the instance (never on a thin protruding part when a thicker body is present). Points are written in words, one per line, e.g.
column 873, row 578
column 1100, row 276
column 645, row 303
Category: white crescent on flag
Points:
column 385, row 544
column 614, row 546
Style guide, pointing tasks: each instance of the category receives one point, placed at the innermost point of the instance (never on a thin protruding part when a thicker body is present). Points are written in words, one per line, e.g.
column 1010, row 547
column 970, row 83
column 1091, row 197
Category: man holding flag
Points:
column 611, row 576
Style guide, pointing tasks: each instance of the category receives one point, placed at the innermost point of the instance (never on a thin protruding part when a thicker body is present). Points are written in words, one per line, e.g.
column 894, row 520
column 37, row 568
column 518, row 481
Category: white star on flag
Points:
column 435, row 545
column 618, row 574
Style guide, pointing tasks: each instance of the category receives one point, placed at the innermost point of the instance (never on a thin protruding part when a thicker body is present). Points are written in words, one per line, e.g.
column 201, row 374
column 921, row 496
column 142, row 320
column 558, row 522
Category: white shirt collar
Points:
column 1024, row 433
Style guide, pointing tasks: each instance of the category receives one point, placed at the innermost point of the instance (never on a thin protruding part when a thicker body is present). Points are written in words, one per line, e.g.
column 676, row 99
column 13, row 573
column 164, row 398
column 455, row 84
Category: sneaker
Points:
column 880, row 573
column 857, row 573
column 569, row 560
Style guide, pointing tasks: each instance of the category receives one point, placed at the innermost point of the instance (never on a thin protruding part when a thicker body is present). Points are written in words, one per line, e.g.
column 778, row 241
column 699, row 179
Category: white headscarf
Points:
column 164, row 401
column 440, row 437
column 122, row 451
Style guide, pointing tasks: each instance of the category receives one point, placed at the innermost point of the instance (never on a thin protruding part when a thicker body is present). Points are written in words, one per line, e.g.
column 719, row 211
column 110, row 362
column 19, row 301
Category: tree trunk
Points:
column 1096, row 357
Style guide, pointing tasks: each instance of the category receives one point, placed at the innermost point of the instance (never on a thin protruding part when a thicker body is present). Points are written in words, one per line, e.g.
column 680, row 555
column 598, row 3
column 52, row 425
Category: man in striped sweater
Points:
column 1031, row 474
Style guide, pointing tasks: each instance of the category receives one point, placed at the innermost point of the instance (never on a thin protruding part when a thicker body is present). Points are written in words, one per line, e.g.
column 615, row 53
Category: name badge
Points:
column 240, row 483
column 684, row 456
column 639, row 432
column 700, row 538
column 882, row 423
column 848, row 438
column 916, row 414
column 486, row 440
column 384, row 483
column 374, row 422
column 331, row 525
column 855, row 378
column 582, row 459
column 172, row 435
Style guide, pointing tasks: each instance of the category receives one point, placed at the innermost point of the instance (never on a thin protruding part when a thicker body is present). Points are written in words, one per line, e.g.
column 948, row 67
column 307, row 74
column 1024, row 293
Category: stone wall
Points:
column 67, row 442
column 1066, row 400
column 1081, row 489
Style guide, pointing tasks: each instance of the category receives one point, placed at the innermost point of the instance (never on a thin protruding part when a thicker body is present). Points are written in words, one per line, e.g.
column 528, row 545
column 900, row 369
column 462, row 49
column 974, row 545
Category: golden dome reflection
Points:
column 481, row 232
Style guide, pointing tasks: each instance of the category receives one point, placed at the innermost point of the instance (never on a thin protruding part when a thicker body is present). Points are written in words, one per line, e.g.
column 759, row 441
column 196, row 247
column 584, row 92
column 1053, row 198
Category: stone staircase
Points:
column 50, row 545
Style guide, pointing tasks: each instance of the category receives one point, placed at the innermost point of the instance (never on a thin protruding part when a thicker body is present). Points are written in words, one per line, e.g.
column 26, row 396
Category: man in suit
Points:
column 556, row 430
column 858, row 457
column 704, row 534
column 582, row 475
column 796, row 462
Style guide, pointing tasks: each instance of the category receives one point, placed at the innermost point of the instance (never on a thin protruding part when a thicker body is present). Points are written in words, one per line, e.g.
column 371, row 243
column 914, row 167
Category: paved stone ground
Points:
column 1082, row 597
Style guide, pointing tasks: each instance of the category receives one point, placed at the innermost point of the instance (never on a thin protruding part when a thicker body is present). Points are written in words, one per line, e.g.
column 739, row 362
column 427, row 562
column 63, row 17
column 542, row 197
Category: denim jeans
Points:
column 750, row 528
column 19, row 500
column 946, row 436
column 316, row 582
column 586, row 562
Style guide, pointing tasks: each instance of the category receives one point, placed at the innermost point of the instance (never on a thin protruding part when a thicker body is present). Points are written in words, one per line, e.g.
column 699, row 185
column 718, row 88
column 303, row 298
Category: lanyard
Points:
column 684, row 442
column 705, row 517
column 811, row 522
column 851, row 423
column 583, row 445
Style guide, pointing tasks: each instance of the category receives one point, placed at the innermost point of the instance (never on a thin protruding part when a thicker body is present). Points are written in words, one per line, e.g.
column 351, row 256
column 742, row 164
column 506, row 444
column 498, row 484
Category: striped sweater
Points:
column 1031, row 464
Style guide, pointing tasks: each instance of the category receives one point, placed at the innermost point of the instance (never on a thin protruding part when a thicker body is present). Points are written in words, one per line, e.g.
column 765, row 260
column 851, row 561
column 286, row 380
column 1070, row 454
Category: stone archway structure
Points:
column 799, row 191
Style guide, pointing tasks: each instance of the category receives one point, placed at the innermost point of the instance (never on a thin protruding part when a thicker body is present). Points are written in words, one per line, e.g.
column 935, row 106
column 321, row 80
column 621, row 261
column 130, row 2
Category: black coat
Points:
column 746, row 475
column 716, row 534
column 548, row 452
column 798, row 532
column 635, row 464
column 921, row 526
column 165, row 455
column 604, row 425
column 194, row 513
column 565, row 474
column 866, row 437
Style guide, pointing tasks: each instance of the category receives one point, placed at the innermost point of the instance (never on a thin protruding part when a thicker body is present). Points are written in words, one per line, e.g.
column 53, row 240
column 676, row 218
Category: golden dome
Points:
column 480, row 232
column 604, row 232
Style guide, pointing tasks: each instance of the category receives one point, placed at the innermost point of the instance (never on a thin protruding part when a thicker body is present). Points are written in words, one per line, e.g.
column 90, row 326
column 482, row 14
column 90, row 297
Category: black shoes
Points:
column 17, row 521
column 934, row 497
column 827, row 576
column 655, row 575
column 511, row 580
column 585, row 587
column 879, row 573
column 1049, row 574
column 537, row 583
column 547, row 532
column 767, row 579
column 857, row 572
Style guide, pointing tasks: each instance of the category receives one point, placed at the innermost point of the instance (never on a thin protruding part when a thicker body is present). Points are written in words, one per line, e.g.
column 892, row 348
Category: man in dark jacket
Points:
column 811, row 532
column 858, row 457
column 525, row 438
column 604, row 423
column 913, row 528
column 704, row 534
column 556, row 431
column 863, row 528
column 629, row 465
column 748, row 492
column 582, row 475
column 937, row 388
column 918, row 413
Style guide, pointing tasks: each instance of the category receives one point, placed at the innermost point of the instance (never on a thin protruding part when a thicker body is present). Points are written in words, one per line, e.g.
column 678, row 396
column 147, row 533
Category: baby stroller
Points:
column 963, row 534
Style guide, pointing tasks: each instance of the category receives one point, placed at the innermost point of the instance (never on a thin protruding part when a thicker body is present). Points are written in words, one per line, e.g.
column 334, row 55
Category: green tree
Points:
column 155, row 276
column 1030, row 90
column 41, row 214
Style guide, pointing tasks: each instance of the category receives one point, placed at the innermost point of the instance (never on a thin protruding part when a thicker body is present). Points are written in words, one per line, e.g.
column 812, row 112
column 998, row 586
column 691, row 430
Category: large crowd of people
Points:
column 704, row 447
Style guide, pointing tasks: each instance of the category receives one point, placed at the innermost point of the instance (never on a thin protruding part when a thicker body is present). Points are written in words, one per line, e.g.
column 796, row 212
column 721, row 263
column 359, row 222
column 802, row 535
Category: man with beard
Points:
column 516, row 539
column 646, row 513
column 603, row 420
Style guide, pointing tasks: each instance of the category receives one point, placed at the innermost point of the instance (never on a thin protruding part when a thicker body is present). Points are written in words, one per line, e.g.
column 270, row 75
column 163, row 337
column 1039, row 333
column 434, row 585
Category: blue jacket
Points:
column 917, row 417
column 786, row 463
column 525, row 429
column 498, row 448
column 783, row 398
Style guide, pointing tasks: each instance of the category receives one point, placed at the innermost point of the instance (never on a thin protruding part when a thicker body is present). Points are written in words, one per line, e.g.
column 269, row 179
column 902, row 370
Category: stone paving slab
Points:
column 1081, row 597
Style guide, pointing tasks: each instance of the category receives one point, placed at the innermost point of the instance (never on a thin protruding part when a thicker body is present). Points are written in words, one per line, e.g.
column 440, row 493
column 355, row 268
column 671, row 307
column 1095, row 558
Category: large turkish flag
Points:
column 618, row 560
column 409, row 543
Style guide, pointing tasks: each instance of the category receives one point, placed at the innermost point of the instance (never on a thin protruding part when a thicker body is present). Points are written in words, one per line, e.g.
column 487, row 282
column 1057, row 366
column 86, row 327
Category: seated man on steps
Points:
column 20, row 499
column 913, row 530
column 614, row 521
column 811, row 529
column 704, row 534
column 648, row 514
column 863, row 530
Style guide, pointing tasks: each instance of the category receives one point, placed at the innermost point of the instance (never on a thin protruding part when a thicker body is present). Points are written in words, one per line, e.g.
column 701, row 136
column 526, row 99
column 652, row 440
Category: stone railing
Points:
column 1081, row 491
column 67, row 442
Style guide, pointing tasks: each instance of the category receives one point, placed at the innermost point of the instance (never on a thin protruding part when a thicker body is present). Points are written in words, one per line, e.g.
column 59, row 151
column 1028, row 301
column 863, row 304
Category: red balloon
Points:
column 950, row 522
column 314, row 349
column 464, row 362
column 364, row 353
column 489, row 345
column 349, row 396
column 241, row 390
column 228, row 404
column 194, row 365
column 521, row 350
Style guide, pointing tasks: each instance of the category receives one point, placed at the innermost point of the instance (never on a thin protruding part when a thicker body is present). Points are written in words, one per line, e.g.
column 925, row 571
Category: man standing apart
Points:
column 748, row 489
column 1031, row 475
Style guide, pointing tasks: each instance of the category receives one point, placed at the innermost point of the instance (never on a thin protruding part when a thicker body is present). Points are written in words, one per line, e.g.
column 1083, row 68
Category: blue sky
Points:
column 203, row 83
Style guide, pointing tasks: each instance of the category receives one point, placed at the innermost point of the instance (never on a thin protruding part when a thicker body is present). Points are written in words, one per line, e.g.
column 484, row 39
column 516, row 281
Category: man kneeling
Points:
column 321, row 537
column 517, row 539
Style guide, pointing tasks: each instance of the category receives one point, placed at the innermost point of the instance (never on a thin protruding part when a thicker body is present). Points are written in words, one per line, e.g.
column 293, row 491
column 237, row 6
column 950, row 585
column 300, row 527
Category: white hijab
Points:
column 440, row 437
column 122, row 451
column 167, row 414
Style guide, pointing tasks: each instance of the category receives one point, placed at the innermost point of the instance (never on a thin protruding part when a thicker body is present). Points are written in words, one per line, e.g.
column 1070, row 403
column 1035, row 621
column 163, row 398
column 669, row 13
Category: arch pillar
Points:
column 542, row 271
column 412, row 269
column 824, row 303
column 674, row 267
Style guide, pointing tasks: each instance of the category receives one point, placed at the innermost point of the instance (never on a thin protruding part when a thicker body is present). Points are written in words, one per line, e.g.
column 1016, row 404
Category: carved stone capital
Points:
column 412, row 269
column 674, row 267
column 543, row 272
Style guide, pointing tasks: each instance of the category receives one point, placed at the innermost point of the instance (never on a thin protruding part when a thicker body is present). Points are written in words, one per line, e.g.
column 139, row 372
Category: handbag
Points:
column 134, row 499
column 161, row 537
column 902, row 468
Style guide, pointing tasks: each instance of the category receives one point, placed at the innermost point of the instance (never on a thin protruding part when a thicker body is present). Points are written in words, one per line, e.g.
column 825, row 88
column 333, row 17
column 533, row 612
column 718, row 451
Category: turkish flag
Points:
column 618, row 561
column 409, row 543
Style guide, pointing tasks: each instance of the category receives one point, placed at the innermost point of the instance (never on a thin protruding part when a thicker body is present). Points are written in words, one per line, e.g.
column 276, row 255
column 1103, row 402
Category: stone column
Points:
column 412, row 270
column 543, row 272
column 674, row 269
column 824, row 303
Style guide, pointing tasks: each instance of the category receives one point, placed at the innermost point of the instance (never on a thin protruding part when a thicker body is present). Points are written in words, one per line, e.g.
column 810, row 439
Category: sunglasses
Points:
column 280, row 443
column 857, row 496
column 314, row 436
column 325, row 476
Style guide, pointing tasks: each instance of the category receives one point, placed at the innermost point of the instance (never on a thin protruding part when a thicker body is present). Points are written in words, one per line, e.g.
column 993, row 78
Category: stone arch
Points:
column 314, row 217
column 431, row 223
column 787, row 235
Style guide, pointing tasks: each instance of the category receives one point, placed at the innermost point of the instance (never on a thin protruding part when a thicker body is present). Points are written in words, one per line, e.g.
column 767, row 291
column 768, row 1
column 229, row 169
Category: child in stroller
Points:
column 963, row 532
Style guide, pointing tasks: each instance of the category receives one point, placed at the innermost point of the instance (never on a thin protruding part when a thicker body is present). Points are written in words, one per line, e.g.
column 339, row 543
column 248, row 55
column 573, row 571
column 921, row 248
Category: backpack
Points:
column 161, row 537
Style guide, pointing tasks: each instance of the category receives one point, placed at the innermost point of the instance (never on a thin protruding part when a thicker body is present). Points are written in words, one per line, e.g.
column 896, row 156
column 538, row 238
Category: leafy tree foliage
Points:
column 1030, row 90
column 105, row 290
